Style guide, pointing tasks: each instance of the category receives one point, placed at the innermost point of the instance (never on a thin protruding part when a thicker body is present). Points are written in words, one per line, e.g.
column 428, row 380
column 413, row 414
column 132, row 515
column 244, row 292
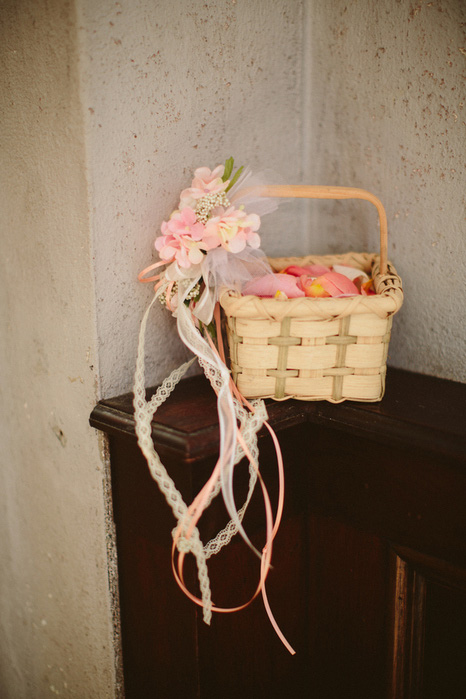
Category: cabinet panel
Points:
column 369, row 576
column 444, row 667
column 429, row 615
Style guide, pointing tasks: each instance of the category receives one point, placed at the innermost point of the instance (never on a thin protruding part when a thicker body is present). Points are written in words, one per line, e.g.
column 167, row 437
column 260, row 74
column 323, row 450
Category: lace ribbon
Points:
column 239, row 423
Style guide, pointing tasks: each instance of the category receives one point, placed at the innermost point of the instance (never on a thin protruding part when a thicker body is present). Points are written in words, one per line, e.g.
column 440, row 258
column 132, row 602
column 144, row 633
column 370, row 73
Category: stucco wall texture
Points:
column 169, row 87
column 387, row 113
column 350, row 93
column 56, row 634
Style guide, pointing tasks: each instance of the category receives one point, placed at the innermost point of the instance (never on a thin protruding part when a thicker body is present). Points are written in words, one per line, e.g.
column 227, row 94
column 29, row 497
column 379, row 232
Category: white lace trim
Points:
column 231, row 452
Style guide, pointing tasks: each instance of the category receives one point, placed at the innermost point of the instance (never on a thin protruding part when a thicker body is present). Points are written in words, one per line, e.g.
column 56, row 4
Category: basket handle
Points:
column 302, row 191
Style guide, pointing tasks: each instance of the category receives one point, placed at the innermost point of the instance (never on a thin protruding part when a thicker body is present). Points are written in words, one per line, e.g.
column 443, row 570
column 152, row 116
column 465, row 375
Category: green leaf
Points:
column 228, row 169
column 235, row 178
column 209, row 329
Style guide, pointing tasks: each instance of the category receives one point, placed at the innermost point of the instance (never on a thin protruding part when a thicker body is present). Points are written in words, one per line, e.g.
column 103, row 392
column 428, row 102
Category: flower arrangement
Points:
column 210, row 241
column 206, row 220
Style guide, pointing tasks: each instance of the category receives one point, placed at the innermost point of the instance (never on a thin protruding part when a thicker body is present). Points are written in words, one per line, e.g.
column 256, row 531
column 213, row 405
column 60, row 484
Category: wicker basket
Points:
column 332, row 349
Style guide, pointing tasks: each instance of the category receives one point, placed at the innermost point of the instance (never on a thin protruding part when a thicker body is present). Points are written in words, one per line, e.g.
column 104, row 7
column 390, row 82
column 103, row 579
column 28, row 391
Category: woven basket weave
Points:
column 332, row 349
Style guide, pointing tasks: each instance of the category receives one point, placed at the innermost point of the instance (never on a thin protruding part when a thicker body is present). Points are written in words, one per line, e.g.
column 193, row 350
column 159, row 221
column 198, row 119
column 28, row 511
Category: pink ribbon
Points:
column 142, row 275
column 272, row 525
column 195, row 510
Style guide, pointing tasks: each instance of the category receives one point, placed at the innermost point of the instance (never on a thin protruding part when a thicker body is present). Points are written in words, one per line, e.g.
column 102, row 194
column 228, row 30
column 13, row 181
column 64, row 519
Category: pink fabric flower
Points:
column 184, row 223
column 233, row 229
column 181, row 239
column 205, row 182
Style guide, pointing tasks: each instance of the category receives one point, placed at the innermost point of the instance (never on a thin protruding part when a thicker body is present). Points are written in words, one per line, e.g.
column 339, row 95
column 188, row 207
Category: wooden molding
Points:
column 409, row 597
column 418, row 411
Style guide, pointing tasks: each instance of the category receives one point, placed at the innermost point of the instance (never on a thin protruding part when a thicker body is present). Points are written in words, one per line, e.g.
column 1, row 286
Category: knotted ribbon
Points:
column 236, row 442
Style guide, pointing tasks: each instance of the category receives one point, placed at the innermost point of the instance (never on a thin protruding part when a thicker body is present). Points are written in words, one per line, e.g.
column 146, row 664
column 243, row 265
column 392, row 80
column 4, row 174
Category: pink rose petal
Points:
column 312, row 286
column 338, row 285
column 268, row 286
column 311, row 270
column 317, row 270
column 350, row 272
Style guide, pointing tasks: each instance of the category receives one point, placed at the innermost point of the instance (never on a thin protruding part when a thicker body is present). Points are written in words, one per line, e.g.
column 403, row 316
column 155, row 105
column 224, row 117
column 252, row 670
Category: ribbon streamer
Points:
column 236, row 442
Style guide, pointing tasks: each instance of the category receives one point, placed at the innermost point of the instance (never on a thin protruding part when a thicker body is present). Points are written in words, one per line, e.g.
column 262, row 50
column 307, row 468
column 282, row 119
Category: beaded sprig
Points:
column 193, row 294
column 209, row 202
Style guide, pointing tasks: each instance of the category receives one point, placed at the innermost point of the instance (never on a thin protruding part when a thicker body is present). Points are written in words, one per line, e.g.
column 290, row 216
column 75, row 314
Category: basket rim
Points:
column 387, row 300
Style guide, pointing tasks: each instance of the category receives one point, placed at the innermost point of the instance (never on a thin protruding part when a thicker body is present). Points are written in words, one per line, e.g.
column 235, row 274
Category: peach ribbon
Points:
column 197, row 506
column 142, row 275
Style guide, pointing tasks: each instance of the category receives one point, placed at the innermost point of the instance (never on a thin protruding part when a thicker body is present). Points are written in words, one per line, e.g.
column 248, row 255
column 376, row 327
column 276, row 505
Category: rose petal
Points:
column 270, row 284
column 338, row 285
column 312, row 287
column 366, row 288
column 316, row 290
column 351, row 272
column 317, row 270
column 312, row 270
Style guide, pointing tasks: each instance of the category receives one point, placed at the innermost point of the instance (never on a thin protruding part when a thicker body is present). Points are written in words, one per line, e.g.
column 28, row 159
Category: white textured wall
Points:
column 55, row 607
column 357, row 93
column 387, row 112
column 173, row 85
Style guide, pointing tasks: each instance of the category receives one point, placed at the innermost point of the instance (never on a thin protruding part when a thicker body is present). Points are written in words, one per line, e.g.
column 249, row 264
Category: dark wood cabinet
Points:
column 369, row 577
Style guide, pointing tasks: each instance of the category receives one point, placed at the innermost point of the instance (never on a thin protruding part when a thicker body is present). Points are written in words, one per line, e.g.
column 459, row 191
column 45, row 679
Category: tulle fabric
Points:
column 221, row 268
column 239, row 194
column 218, row 269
